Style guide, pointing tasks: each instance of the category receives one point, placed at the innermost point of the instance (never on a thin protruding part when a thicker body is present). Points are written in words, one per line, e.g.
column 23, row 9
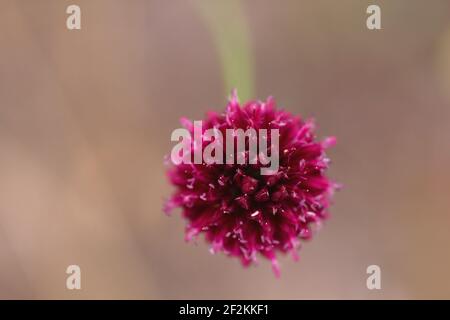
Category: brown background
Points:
column 86, row 116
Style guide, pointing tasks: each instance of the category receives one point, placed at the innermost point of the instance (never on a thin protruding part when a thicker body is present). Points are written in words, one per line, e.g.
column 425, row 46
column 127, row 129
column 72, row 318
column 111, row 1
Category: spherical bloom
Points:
column 243, row 212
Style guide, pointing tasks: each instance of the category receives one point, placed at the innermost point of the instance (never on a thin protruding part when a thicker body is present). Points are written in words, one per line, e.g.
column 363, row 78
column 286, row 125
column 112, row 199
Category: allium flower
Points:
column 242, row 212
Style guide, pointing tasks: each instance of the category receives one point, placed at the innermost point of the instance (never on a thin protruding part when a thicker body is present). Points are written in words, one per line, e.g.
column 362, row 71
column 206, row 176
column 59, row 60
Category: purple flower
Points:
column 242, row 212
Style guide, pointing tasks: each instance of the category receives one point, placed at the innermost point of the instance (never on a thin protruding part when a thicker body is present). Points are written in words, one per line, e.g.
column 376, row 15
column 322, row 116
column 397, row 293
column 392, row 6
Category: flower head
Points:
column 243, row 212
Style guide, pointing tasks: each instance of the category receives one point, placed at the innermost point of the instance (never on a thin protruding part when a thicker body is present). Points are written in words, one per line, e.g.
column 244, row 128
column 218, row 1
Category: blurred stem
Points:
column 226, row 22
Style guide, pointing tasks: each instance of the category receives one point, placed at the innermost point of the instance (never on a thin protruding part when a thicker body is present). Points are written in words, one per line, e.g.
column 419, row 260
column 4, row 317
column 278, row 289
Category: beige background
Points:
column 86, row 116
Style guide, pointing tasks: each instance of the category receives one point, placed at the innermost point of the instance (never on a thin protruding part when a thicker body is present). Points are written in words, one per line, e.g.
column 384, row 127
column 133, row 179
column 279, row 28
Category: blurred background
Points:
column 86, row 117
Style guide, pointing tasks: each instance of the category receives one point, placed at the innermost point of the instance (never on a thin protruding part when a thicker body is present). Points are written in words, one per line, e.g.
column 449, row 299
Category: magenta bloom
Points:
column 242, row 212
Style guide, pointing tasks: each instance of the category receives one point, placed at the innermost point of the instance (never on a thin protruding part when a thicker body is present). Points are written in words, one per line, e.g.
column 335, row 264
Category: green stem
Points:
column 226, row 22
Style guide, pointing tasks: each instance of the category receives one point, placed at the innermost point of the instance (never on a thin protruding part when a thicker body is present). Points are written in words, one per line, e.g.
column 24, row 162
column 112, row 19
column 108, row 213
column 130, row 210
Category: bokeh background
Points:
column 86, row 117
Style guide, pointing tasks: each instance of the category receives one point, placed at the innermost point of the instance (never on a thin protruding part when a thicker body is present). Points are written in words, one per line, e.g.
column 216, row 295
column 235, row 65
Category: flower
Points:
column 242, row 212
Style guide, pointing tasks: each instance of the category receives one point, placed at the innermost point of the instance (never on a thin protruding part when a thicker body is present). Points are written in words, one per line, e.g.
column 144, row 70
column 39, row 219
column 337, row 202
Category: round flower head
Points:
column 241, row 209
